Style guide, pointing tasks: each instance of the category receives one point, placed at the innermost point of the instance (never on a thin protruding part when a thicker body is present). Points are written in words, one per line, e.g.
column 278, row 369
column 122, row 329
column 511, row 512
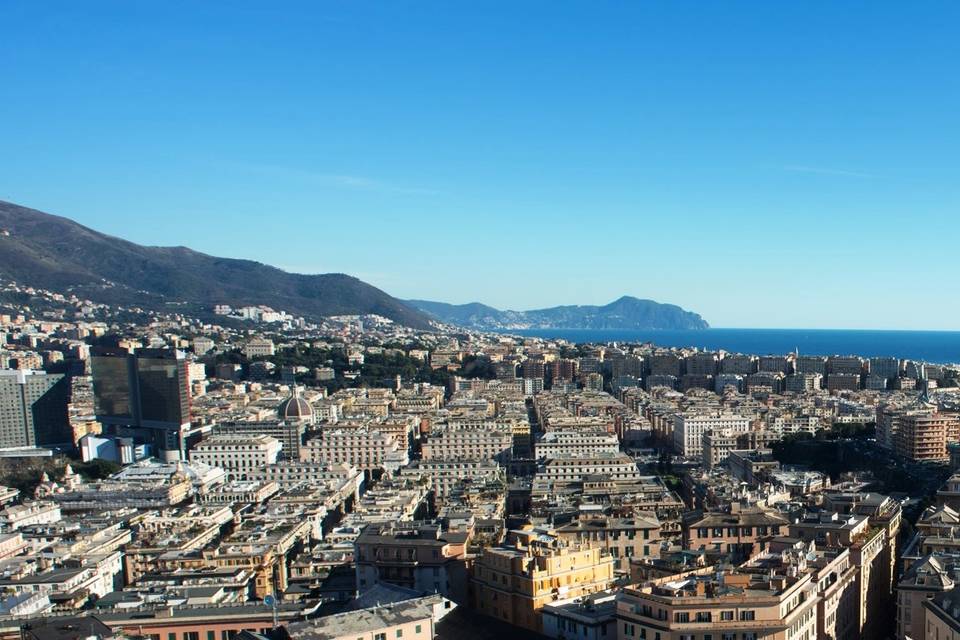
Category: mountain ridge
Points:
column 54, row 252
column 626, row 312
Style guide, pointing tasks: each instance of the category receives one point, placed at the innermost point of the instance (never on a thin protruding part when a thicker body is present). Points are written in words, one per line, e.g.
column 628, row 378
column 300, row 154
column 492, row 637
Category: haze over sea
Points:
column 930, row 346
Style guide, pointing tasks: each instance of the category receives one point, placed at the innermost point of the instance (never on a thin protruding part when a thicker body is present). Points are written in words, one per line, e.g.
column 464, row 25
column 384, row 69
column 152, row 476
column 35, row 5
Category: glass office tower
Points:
column 145, row 395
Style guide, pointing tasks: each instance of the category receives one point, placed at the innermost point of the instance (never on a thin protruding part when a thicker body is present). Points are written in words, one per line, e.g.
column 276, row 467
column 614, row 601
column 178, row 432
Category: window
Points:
column 399, row 633
column 379, row 636
column 704, row 616
column 191, row 635
column 681, row 616
column 418, row 628
column 171, row 636
column 746, row 615
column 726, row 615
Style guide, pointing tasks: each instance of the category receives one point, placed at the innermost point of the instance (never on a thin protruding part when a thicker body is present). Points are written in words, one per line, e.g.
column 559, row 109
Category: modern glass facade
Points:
column 164, row 386
column 146, row 390
column 112, row 389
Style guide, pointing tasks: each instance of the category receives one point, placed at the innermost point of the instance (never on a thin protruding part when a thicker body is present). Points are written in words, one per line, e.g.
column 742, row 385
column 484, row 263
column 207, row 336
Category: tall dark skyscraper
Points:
column 145, row 394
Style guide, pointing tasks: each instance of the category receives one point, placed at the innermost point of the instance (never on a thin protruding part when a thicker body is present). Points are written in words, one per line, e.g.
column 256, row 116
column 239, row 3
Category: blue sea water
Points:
column 929, row 346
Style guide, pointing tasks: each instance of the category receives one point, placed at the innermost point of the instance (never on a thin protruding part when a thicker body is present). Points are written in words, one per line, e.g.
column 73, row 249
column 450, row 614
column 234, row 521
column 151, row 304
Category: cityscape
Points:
column 529, row 320
column 170, row 477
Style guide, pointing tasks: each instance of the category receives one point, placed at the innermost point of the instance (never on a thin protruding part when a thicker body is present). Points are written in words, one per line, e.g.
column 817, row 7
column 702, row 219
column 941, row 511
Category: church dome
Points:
column 295, row 408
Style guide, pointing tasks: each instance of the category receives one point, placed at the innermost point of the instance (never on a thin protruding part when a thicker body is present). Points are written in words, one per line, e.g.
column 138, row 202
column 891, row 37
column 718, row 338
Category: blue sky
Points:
column 767, row 164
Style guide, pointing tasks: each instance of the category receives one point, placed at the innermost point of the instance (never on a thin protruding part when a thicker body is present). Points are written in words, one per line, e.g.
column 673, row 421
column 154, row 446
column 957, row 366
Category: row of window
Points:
column 631, row 631
column 630, row 535
column 210, row 635
column 746, row 615
column 731, row 532
column 399, row 633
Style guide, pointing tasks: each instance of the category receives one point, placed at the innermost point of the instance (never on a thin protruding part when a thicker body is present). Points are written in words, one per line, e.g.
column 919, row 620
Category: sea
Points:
column 941, row 347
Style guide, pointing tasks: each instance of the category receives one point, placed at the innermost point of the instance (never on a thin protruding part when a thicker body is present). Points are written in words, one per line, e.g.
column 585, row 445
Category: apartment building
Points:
column 443, row 476
column 870, row 551
column 921, row 582
column 843, row 381
column 412, row 619
column 573, row 468
column 832, row 571
column 418, row 555
column 535, row 567
column 289, row 474
column 942, row 616
column 33, row 408
column 740, row 532
column 721, row 606
column 738, row 364
column 752, row 466
column 923, row 434
column 703, row 363
column 811, row 364
column 846, row 365
column 237, row 455
column 259, row 347
column 717, row 445
column 573, row 442
column 29, row 514
column 623, row 539
column 885, row 367
column 688, row 430
column 803, row 382
column 453, row 443
column 361, row 447
column 665, row 364
column 564, row 369
column 290, row 434
column 769, row 381
column 723, row 380
column 775, row 364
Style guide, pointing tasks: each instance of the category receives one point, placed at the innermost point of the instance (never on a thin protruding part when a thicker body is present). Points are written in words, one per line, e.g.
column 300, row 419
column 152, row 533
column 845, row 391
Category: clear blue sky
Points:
column 767, row 164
